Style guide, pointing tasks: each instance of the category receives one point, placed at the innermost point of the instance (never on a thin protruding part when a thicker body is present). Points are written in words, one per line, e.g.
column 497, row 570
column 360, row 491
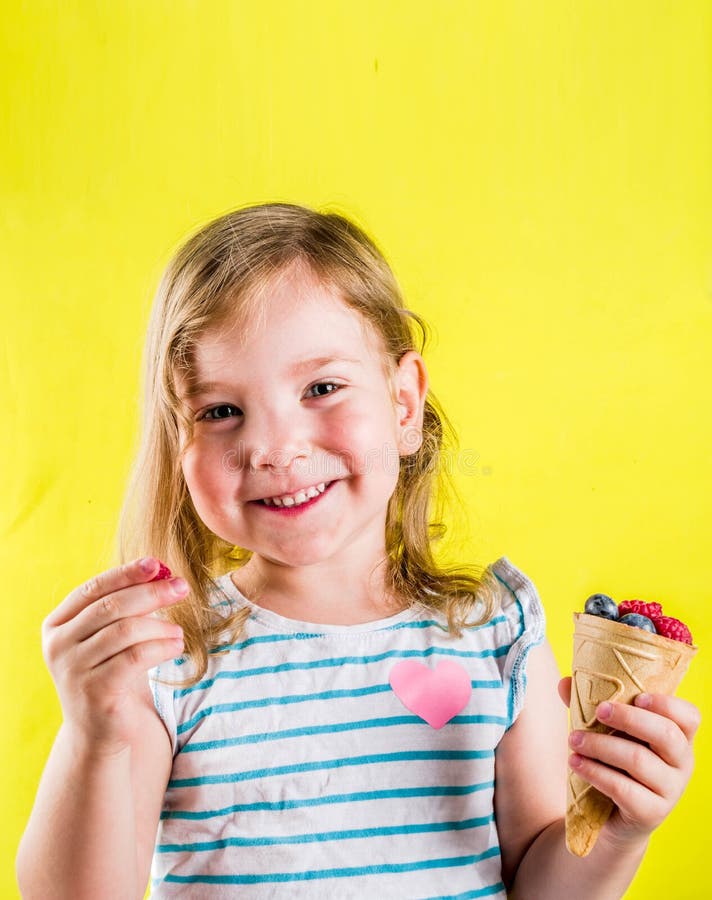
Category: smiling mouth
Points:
column 301, row 497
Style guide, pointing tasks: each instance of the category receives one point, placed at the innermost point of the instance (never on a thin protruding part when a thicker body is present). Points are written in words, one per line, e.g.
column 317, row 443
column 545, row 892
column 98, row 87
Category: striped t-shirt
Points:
column 299, row 771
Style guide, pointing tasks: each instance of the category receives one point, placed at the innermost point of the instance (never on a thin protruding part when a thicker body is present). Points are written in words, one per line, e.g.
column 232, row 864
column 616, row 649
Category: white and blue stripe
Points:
column 298, row 772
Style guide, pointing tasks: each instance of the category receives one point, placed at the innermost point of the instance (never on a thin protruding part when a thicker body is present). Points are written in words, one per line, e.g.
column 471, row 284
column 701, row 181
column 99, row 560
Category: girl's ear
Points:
column 411, row 387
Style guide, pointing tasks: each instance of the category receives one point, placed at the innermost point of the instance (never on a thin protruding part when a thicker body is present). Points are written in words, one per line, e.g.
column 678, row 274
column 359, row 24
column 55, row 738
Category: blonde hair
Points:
column 218, row 277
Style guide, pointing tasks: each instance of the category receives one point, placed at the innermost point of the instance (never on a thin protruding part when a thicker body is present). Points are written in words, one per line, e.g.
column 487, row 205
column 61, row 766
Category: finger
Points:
column 633, row 799
column 137, row 659
column 565, row 690
column 137, row 600
column 664, row 735
column 120, row 636
column 619, row 752
column 685, row 714
column 137, row 572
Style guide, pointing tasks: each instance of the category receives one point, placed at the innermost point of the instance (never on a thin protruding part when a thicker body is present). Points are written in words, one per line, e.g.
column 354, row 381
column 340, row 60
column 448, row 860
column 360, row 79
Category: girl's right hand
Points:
column 100, row 642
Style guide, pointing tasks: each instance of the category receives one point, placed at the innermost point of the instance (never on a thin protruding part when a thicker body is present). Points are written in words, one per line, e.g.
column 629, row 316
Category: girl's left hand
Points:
column 644, row 766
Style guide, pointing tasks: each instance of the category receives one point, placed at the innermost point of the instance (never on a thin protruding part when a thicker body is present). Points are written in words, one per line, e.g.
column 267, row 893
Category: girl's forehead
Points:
column 288, row 333
column 312, row 319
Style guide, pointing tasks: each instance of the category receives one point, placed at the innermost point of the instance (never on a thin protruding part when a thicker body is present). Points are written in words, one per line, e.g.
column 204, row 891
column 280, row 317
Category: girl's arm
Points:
column 93, row 825
column 644, row 777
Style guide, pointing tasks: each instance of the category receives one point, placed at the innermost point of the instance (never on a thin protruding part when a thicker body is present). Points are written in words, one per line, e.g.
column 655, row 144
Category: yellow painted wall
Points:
column 537, row 172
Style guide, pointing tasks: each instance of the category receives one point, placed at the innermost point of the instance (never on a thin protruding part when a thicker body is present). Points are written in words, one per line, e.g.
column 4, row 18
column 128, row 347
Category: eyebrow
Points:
column 196, row 388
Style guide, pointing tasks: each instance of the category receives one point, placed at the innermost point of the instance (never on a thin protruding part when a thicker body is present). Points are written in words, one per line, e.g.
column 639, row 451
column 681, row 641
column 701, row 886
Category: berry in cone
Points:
column 616, row 662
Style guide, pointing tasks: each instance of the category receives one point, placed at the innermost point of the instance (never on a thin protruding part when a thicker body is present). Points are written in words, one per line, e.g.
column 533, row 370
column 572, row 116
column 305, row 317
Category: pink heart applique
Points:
column 436, row 695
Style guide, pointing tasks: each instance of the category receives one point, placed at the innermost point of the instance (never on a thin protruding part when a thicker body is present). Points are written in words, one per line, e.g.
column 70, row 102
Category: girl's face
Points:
column 302, row 403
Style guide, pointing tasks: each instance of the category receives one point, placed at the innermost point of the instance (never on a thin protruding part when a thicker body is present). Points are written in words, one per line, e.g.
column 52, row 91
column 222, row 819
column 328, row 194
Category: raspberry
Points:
column 163, row 572
column 650, row 610
column 672, row 628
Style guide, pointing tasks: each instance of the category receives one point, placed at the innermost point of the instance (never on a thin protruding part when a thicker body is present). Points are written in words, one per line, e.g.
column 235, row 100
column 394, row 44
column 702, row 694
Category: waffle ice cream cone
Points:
column 612, row 662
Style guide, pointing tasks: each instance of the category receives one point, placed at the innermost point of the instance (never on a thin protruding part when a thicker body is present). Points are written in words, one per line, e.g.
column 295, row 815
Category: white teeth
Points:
column 298, row 498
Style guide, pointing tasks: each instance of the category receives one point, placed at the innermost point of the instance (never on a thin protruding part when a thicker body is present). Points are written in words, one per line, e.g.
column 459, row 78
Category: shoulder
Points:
column 518, row 613
column 168, row 681
column 517, row 595
column 518, row 626
column 223, row 597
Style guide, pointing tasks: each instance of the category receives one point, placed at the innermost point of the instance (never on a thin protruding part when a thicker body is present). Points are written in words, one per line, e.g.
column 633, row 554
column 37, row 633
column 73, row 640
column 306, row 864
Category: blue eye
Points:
column 326, row 384
column 217, row 413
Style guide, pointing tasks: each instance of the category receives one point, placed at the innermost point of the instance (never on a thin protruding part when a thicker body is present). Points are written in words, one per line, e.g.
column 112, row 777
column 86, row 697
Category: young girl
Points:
column 327, row 711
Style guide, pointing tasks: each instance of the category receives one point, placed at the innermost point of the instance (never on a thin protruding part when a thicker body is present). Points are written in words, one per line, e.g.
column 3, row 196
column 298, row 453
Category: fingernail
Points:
column 644, row 700
column 576, row 739
column 575, row 761
column 147, row 564
column 604, row 711
column 178, row 586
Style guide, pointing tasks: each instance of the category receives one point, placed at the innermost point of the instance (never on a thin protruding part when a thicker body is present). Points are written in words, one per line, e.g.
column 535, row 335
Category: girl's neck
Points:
column 317, row 594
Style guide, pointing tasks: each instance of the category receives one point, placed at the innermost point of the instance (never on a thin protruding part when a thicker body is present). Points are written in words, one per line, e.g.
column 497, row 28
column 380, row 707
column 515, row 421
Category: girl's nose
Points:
column 282, row 457
column 276, row 443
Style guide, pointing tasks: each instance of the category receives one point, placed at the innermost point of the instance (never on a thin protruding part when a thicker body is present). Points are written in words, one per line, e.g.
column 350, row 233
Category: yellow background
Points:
column 538, row 173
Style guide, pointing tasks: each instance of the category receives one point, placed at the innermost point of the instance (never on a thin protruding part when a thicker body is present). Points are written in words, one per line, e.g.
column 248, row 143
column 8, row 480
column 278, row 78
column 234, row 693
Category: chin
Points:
column 307, row 556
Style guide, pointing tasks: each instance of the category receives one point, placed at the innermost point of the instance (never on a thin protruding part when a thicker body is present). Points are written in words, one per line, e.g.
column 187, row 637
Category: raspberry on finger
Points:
column 163, row 572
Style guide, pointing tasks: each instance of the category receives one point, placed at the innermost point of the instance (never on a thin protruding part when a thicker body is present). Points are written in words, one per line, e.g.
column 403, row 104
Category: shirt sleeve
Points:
column 523, row 624
column 167, row 679
column 161, row 680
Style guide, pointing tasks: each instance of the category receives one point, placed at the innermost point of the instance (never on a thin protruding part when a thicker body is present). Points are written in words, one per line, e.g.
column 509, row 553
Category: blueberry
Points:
column 601, row 605
column 637, row 621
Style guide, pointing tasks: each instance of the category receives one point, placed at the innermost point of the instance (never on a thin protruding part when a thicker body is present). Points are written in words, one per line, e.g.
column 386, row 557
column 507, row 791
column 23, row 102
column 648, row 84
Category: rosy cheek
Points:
column 370, row 436
column 196, row 472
